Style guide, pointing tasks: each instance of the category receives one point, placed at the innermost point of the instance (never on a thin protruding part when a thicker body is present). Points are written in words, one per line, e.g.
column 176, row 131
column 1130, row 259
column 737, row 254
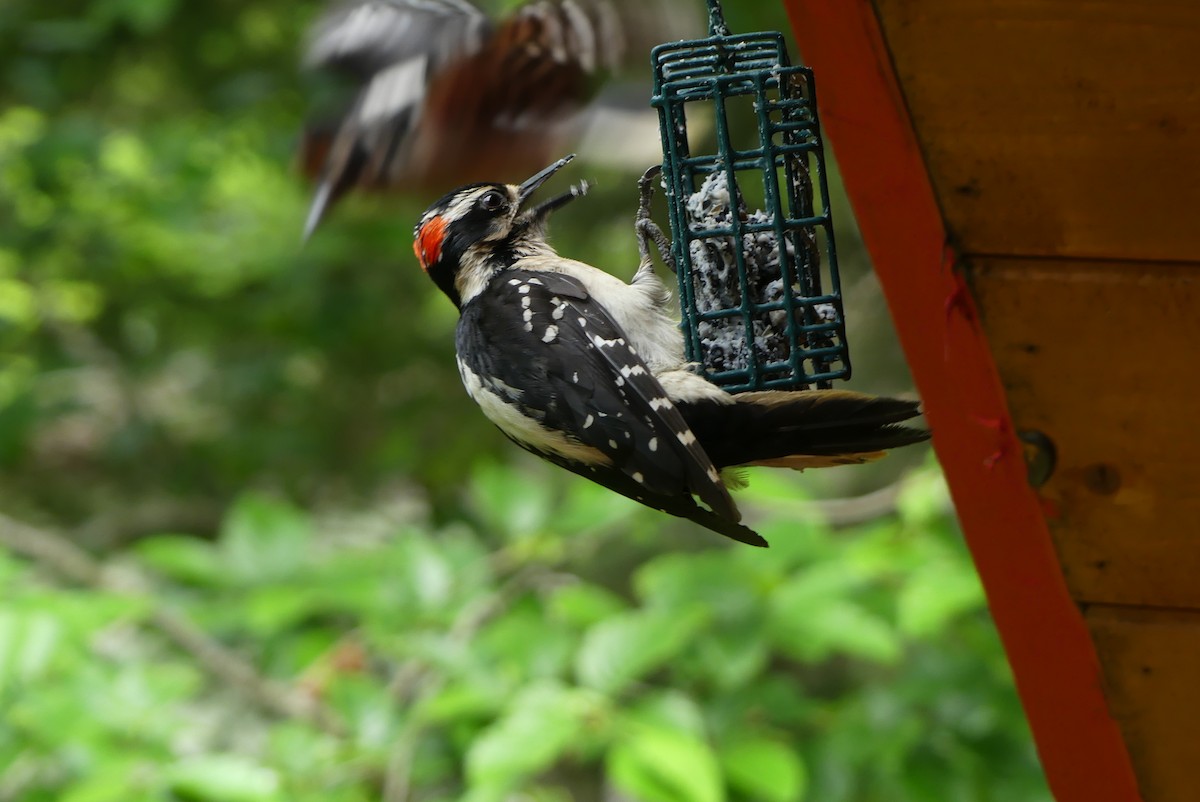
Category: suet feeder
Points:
column 754, row 315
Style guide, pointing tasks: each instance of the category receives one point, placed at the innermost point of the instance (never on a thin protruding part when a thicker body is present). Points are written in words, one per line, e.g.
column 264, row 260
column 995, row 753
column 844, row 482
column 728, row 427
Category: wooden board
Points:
column 1045, row 636
column 1151, row 665
column 1104, row 358
column 1056, row 127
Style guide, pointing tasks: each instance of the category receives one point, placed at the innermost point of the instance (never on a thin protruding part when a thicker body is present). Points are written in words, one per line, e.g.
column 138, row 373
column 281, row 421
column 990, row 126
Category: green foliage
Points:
column 854, row 665
column 271, row 443
column 626, row 647
column 764, row 768
column 164, row 339
column 659, row 764
column 223, row 778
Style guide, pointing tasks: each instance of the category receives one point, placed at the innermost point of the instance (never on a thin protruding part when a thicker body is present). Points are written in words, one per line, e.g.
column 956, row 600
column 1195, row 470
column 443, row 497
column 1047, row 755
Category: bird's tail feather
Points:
column 802, row 429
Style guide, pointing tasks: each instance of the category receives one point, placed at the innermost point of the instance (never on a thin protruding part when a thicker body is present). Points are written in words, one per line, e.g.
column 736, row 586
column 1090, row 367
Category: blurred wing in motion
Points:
column 366, row 38
column 510, row 107
column 446, row 98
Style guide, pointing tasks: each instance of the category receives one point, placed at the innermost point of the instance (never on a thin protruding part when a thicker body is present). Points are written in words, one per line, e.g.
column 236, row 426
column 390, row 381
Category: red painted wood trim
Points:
column 1057, row 673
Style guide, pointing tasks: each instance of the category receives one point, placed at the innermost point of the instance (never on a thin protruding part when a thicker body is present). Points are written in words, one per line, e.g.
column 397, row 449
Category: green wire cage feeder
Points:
column 758, row 287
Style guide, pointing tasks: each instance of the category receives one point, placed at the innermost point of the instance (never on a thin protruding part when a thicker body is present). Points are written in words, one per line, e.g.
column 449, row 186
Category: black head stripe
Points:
column 443, row 204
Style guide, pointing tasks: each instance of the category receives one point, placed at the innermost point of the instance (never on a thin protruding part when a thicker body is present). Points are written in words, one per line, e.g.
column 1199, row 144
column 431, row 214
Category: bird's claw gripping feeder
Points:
column 755, row 315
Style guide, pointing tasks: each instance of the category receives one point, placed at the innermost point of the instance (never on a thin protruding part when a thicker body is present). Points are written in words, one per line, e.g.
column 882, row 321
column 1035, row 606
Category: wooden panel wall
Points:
column 1105, row 359
column 1152, row 660
column 1101, row 357
column 1062, row 139
column 1057, row 127
column 1047, row 641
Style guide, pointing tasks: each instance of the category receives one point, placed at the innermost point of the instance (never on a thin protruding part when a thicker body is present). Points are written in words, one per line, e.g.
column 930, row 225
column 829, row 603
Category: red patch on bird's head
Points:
column 427, row 245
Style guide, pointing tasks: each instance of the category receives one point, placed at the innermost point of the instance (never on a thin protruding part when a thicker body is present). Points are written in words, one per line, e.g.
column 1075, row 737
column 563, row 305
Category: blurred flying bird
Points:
column 445, row 96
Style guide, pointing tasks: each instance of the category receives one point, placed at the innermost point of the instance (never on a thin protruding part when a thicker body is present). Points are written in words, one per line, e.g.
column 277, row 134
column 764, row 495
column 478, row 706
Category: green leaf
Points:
column 671, row 710
column 817, row 614
column 272, row 609
column 837, row 627
column 109, row 781
column 734, row 655
column 522, row 643
column 824, row 581
column 541, row 723
column 511, row 501
column 485, row 793
column 935, row 595
column 224, row 778
column 184, row 558
column 263, row 539
column 653, row 764
column 28, row 641
column 764, row 769
column 588, row 507
column 582, row 605
column 723, row 585
column 924, row 498
column 431, row 576
column 626, row 647
column 460, row 702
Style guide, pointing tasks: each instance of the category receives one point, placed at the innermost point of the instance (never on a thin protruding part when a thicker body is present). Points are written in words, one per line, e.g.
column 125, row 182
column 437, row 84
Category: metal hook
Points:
column 716, row 19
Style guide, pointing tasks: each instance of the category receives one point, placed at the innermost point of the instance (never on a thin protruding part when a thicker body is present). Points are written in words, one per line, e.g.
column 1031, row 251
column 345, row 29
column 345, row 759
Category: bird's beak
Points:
column 540, row 177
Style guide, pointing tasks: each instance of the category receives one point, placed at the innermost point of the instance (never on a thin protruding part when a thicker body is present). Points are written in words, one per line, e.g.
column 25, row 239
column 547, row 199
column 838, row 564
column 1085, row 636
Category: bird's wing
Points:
column 507, row 107
column 389, row 48
column 542, row 58
column 538, row 344
column 366, row 38
column 444, row 97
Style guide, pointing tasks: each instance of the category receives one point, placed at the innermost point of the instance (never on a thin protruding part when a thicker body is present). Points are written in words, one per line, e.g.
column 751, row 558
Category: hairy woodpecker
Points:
column 588, row 371
column 445, row 96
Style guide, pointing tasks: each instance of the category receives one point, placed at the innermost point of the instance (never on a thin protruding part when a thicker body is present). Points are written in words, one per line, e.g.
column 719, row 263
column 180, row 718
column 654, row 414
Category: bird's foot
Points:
column 647, row 230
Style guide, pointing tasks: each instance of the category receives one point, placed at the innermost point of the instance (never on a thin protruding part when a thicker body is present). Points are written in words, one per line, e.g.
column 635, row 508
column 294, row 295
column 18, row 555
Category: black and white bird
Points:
column 445, row 96
column 587, row 371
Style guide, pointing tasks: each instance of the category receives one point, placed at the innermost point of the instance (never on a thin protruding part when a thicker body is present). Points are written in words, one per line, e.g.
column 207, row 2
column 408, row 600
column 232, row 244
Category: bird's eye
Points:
column 491, row 201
